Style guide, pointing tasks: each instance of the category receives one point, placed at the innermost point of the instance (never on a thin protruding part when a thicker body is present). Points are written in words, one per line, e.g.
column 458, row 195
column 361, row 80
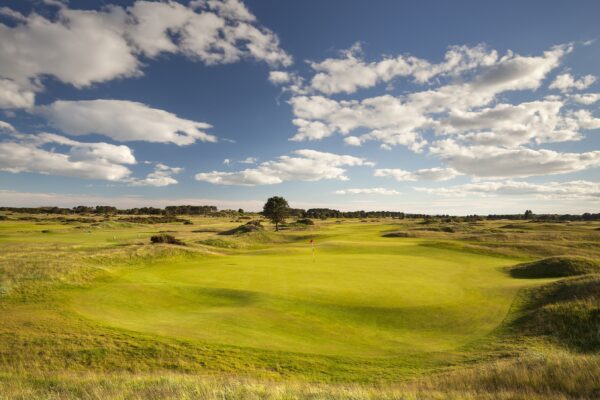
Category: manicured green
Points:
column 361, row 295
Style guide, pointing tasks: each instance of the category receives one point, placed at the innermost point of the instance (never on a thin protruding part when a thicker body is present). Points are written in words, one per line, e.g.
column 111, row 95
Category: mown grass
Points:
column 93, row 310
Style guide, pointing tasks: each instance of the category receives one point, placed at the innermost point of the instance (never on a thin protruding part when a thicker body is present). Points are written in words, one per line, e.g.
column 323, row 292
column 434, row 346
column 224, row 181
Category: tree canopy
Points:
column 276, row 209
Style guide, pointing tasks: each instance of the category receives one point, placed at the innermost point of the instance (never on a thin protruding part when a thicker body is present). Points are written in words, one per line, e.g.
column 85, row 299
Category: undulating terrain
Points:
column 388, row 308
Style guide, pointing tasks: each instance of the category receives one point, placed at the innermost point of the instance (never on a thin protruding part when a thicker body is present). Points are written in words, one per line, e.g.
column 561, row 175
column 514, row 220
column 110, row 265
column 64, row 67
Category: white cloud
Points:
column 585, row 120
column 376, row 191
column 6, row 127
column 501, row 162
column 249, row 160
column 427, row 174
column 124, row 121
column 566, row 82
column 303, row 165
column 512, row 125
column 83, row 47
column 161, row 176
column 551, row 190
column 403, row 120
column 390, row 120
column 14, row 96
column 351, row 72
column 83, row 160
column 279, row 77
column 585, row 98
column 226, row 161
column 233, row 9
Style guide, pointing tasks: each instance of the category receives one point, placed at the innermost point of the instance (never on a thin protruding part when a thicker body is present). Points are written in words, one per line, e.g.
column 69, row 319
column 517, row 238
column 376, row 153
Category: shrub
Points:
column 305, row 221
column 166, row 238
column 398, row 234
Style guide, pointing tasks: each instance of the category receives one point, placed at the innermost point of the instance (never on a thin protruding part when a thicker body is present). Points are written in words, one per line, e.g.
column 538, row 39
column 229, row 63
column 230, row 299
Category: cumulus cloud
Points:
column 551, row 190
column 82, row 47
column 161, row 176
column 6, row 127
column 351, row 72
column 566, row 82
column 402, row 120
column 124, row 121
column 376, row 191
column 28, row 153
column 390, row 120
column 585, row 98
column 512, row 125
column 427, row 174
column 279, row 77
column 12, row 95
column 303, row 165
column 500, row 162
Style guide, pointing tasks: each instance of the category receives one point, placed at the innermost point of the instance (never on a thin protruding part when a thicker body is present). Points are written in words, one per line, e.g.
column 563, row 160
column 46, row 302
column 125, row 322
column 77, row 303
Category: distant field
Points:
column 80, row 297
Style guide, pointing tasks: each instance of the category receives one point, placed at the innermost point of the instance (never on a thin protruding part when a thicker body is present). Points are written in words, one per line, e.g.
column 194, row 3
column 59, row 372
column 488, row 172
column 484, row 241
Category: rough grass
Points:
column 567, row 311
column 533, row 376
column 546, row 347
column 556, row 267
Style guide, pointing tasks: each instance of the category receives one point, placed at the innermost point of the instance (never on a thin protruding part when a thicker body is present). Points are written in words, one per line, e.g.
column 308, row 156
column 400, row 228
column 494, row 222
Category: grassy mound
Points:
column 556, row 267
column 398, row 234
column 567, row 311
column 248, row 227
column 166, row 238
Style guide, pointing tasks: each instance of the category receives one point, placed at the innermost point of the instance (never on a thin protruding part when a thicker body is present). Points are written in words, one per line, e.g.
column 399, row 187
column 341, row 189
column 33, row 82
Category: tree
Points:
column 528, row 214
column 276, row 209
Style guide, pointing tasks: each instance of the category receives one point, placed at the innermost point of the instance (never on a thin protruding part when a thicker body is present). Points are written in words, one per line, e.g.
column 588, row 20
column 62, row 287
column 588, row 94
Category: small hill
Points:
column 398, row 234
column 248, row 227
column 556, row 267
column 566, row 311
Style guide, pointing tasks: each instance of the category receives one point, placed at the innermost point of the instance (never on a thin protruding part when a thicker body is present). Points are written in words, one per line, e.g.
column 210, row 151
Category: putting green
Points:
column 362, row 295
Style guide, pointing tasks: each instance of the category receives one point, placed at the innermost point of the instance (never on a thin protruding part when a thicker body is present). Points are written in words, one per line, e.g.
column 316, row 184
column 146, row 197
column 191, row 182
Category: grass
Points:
column 92, row 309
column 556, row 267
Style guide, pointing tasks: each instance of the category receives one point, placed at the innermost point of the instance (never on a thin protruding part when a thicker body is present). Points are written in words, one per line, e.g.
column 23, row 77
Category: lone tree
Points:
column 528, row 214
column 276, row 209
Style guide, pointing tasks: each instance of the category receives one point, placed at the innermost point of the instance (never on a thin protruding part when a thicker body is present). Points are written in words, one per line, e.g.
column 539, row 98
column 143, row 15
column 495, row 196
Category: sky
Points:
column 463, row 107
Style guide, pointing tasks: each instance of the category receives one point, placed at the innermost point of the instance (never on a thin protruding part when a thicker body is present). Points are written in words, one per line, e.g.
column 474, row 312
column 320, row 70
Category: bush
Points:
column 398, row 234
column 166, row 238
column 305, row 221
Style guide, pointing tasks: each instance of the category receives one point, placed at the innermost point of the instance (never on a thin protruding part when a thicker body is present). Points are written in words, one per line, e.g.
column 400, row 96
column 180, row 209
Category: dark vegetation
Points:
column 276, row 209
column 166, row 238
column 163, row 219
column 248, row 227
column 556, row 267
column 314, row 213
column 398, row 234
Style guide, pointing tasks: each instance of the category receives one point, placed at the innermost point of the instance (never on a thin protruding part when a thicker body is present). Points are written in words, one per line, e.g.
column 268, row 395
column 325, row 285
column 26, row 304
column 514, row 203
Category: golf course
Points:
column 375, row 304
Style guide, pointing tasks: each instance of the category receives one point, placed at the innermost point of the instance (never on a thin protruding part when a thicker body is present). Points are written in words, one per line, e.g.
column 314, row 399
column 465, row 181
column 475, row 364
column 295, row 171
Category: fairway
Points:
column 361, row 296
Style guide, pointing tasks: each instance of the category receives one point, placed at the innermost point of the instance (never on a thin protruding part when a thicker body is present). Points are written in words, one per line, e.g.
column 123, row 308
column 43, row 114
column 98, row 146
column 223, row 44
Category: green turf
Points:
column 361, row 295
column 370, row 307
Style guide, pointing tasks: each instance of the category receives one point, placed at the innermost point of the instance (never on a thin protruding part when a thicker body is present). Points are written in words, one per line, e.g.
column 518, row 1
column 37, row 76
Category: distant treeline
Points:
column 110, row 210
column 315, row 213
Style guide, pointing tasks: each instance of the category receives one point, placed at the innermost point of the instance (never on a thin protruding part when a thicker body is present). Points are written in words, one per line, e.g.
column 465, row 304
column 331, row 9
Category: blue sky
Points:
column 442, row 107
